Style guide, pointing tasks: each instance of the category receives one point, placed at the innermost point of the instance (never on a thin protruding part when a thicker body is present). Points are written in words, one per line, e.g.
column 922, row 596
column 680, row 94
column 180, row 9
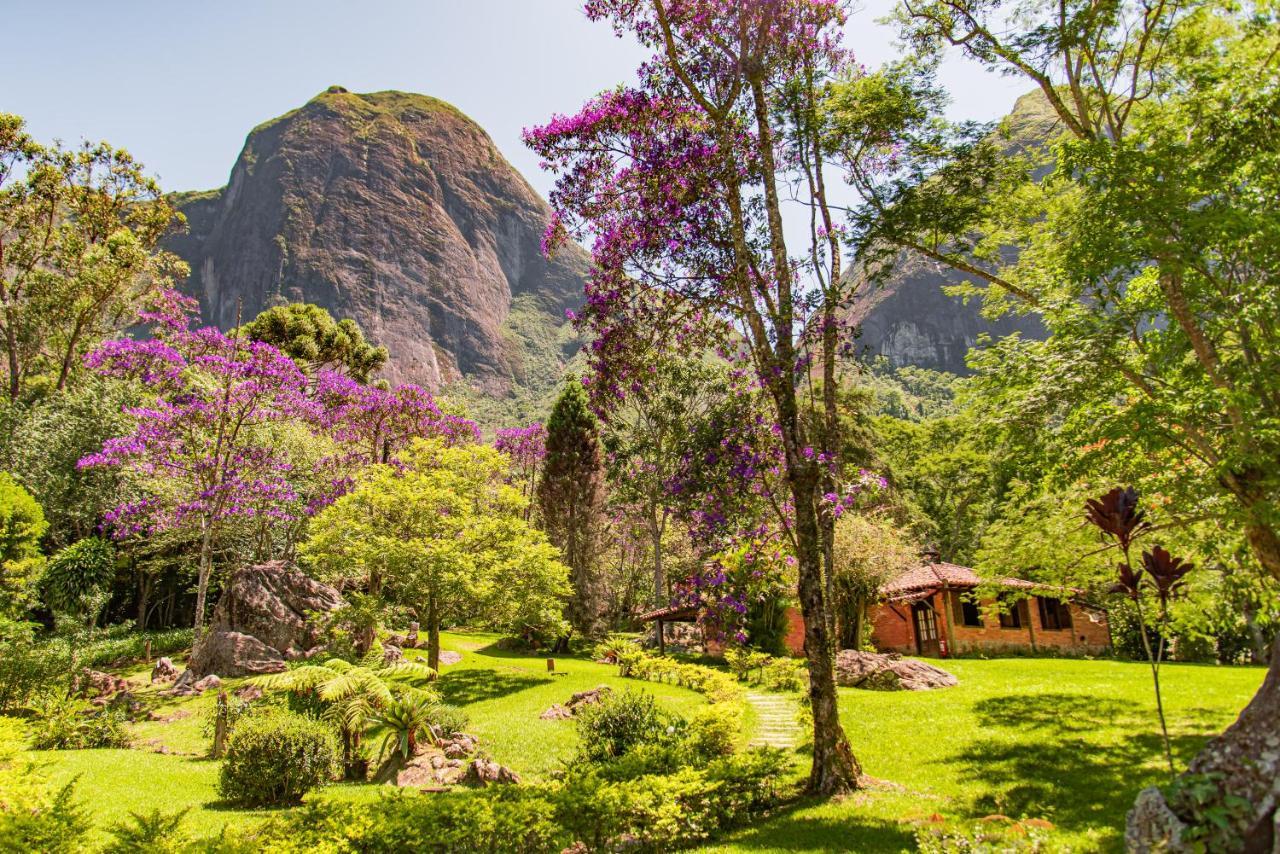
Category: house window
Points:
column 1055, row 615
column 967, row 612
column 1010, row 614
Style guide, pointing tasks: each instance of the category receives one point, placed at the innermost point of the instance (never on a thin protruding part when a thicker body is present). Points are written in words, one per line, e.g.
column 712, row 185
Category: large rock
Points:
column 397, row 211
column 261, row 620
column 875, row 671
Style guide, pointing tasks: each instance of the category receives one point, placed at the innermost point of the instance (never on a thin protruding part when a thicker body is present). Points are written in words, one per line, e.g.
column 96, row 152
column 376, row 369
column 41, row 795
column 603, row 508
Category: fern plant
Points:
column 354, row 694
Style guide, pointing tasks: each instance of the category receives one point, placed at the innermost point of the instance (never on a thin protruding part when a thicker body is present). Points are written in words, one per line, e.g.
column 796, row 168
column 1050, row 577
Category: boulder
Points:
column 210, row 681
column 448, row 656
column 392, row 654
column 262, row 616
column 235, row 654
column 1151, row 826
column 875, row 671
column 164, row 671
column 557, row 712
column 459, row 746
column 248, row 693
column 482, row 772
column 95, row 683
column 590, row 697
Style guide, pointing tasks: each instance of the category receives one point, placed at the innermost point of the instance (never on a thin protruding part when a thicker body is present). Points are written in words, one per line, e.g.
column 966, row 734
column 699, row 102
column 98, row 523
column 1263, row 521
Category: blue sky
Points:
column 180, row 83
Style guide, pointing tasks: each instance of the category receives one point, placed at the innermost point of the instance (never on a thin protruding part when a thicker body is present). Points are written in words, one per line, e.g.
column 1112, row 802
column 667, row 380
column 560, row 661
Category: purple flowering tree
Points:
column 204, row 440
column 527, row 448
column 675, row 181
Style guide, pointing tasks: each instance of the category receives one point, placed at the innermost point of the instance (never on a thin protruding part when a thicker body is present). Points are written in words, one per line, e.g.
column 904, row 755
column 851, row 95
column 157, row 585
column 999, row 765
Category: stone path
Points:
column 777, row 725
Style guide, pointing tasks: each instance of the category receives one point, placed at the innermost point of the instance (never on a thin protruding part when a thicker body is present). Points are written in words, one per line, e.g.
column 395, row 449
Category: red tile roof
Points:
column 932, row 576
column 676, row 613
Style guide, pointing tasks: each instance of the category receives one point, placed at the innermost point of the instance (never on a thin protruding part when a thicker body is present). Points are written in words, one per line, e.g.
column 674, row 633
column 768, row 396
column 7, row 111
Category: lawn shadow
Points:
column 788, row 828
column 1063, row 764
column 473, row 685
column 497, row 650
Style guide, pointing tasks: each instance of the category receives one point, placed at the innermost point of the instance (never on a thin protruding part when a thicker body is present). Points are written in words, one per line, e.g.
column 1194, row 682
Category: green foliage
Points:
column 502, row 819
column 35, row 816
column 614, row 648
column 29, row 668
column 310, row 336
column 570, row 495
column 1216, row 816
column 154, row 832
column 404, row 723
column 444, row 534
column 22, row 524
column 997, row 836
column 63, row 724
column 718, row 686
column 712, row 731
column 276, row 758
column 621, row 722
column 757, row 668
column 78, row 579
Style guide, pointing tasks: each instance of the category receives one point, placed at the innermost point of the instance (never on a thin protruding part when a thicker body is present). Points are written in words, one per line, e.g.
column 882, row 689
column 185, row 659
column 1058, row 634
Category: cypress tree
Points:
column 571, row 495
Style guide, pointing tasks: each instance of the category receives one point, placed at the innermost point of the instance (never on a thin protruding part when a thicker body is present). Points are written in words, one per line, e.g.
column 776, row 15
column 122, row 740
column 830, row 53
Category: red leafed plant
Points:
column 1118, row 516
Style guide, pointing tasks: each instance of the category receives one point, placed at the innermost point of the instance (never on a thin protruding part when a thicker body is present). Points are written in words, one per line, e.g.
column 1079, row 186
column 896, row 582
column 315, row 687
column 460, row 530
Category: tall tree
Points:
column 443, row 532
column 571, row 495
column 1150, row 247
column 310, row 336
column 79, row 231
column 678, row 181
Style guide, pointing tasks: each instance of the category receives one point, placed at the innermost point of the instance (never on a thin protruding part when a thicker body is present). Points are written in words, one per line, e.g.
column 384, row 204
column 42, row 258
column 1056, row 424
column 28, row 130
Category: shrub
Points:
column 784, row 674
column 507, row 819
column 448, row 720
column 78, row 579
column 62, row 724
column 155, row 832
column 276, row 758
column 621, row 722
column 713, row 731
column 614, row 648
column 34, row 816
column 120, row 644
column 28, row 668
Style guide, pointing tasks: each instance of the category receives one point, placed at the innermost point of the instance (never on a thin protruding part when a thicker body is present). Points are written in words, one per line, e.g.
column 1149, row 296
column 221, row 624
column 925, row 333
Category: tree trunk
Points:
column 206, row 569
column 145, row 583
column 834, row 770
column 659, row 574
column 1245, row 760
column 433, row 634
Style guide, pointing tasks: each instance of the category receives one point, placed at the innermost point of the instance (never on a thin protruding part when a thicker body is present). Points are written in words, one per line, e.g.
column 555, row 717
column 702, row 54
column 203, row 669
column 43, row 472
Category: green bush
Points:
column 784, row 674
column 29, row 668
column 650, row 813
column 448, row 720
column 78, row 579
column 713, row 731
column 120, row 644
column 62, row 724
column 675, row 809
column 620, row 722
column 276, row 758
column 155, row 832
column 503, row 819
column 35, row 816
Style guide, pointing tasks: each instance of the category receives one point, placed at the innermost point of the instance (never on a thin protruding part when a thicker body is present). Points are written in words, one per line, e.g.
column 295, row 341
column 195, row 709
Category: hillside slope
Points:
column 395, row 210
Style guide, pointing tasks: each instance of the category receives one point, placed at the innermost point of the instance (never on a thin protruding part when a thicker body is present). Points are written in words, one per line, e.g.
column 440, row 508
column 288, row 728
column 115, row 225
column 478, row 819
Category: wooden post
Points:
column 1031, row 629
column 147, row 650
column 551, row 665
column 220, row 722
column 662, row 641
column 947, row 623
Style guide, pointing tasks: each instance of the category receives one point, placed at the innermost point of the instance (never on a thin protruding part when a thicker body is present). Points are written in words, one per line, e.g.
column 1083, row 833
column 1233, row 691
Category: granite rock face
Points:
column 397, row 211
column 874, row 671
column 262, row 618
column 908, row 319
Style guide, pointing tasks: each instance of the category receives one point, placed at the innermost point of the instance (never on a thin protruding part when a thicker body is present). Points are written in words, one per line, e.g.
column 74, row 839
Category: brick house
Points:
column 931, row 611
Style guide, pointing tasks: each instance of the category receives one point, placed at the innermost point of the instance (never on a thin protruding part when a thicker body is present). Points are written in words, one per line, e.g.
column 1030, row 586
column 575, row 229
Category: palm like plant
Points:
column 355, row 693
column 404, row 722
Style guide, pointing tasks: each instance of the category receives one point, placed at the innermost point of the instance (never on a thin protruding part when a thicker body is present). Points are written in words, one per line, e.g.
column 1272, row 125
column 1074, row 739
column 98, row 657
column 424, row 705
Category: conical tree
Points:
column 571, row 497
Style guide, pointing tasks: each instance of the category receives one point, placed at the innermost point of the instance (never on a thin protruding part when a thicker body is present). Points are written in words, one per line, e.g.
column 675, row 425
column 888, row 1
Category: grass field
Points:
column 1066, row 741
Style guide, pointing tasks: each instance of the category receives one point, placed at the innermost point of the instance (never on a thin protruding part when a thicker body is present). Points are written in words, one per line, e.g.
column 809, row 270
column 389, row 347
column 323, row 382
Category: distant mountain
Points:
column 395, row 210
column 908, row 319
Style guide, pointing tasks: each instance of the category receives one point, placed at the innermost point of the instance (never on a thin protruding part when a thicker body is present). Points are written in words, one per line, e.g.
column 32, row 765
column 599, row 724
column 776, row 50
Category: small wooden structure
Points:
column 672, row 614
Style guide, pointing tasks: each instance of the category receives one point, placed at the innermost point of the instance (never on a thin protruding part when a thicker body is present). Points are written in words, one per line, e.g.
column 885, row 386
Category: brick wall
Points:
column 892, row 629
column 793, row 637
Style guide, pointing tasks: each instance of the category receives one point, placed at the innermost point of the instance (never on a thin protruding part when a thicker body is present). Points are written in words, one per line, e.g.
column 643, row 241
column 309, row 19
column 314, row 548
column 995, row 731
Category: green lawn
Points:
column 502, row 692
column 1068, row 741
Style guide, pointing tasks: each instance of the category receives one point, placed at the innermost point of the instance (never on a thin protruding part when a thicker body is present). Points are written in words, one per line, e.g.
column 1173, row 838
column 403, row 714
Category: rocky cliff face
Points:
column 395, row 210
column 908, row 319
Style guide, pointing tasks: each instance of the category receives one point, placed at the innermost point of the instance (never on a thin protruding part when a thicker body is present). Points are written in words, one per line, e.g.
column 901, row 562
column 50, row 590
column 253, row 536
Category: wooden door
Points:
column 926, row 625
